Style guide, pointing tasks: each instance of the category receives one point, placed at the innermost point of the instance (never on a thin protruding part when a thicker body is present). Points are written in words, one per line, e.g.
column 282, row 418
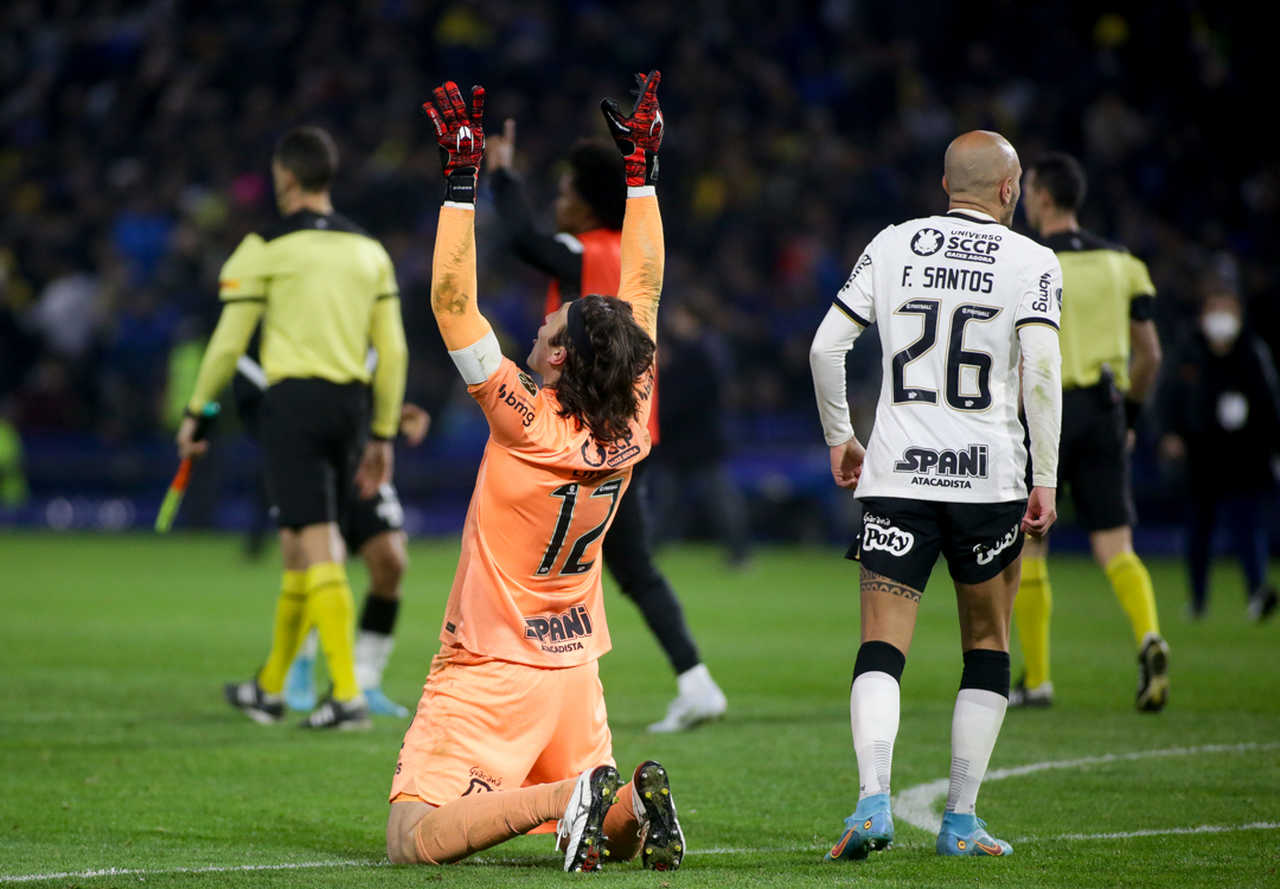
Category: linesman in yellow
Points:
column 1110, row 357
column 325, row 291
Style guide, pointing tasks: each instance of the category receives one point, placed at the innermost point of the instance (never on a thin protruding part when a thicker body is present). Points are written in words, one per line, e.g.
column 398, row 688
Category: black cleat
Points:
column 663, row 847
column 581, row 830
column 343, row 716
column 249, row 698
column 1021, row 696
column 1153, row 675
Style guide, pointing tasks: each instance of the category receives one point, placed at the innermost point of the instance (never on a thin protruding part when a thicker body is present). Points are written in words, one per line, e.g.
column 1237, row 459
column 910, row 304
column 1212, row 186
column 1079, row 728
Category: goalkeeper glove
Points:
column 461, row 138
column 638, row 134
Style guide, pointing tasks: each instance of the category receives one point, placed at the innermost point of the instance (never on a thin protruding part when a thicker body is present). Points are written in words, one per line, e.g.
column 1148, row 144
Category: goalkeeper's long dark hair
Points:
column 601, row 390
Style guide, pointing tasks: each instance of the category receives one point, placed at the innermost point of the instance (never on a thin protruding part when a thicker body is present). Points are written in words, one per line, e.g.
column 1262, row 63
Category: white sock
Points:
column 975, row 724
column 695, row 681
column 874, row 703
column 310, row 645
column 373, row 650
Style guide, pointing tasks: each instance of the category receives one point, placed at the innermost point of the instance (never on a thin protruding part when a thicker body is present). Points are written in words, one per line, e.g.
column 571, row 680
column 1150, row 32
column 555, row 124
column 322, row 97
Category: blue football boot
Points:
column 300, row 684
column 869, row 828
column 967, row 835
column 381, row 705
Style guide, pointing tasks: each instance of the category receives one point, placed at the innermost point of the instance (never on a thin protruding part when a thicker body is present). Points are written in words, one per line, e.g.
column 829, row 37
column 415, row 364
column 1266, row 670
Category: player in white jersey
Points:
column 961, row 302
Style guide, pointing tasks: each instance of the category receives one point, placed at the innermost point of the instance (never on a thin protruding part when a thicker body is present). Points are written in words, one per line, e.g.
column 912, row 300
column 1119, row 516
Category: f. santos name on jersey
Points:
column 944, row 469
column 941, row 277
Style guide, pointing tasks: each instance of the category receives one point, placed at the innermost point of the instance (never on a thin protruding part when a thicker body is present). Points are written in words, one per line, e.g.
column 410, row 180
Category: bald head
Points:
column 981, row 171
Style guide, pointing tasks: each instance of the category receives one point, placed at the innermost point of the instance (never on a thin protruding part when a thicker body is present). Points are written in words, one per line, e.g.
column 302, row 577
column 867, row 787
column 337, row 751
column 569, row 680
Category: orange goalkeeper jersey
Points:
column 527, row 588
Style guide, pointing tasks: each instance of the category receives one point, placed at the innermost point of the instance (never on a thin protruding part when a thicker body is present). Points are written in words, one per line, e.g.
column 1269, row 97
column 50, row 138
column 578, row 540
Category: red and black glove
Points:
column 461, row 138
column 638, row 134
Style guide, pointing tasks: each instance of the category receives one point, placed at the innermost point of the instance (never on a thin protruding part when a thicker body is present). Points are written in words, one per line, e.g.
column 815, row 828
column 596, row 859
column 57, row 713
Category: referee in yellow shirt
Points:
column 1110, row 357
column 325, row 291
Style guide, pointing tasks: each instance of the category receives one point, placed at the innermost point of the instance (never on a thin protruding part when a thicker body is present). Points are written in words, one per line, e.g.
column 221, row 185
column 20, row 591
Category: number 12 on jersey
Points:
column 568, row 495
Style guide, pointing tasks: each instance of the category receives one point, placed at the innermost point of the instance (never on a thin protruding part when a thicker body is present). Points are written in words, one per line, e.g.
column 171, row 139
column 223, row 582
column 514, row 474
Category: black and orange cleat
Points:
column 664, row 846
column 581, row 830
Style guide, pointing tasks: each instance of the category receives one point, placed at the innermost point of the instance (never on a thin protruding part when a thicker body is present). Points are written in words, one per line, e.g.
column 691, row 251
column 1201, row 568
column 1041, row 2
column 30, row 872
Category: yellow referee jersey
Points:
column 325, row 291
column 1104, row 287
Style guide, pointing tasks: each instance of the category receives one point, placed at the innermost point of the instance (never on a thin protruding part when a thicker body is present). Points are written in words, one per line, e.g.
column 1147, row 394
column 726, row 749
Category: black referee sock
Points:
column 379, row 614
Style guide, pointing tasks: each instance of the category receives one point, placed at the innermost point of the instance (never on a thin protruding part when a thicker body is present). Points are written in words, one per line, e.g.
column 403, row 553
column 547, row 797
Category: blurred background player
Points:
column 1107, row 308
column 583, row 257
column 1220, row 406
column 325, row 292
column 373, row 527
column 511, row 731
column 692, row 469
column 955, row 327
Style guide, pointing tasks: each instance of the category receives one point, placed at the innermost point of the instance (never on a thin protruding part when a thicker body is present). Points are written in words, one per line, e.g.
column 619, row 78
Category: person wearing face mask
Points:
column 1220, row 406
column 1110, row 359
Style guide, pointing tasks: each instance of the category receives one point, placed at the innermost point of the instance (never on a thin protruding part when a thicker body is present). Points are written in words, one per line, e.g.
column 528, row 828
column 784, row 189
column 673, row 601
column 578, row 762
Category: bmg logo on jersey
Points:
column 556, row 633
column 1041, row 303
column 973, row 246
column 944, row 469
column 879, row 533
column 523, row 408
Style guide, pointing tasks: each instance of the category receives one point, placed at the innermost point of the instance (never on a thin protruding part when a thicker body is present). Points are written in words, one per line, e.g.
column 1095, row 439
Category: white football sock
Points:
column 373, row 650
column 975, row 724
column 874, row 702
column 695, row 682
column 310, row 645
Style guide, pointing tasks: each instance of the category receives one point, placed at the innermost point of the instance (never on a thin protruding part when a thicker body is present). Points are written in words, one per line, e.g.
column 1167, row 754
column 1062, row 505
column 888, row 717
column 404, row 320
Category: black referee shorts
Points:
column 1093, row 461
column 313, row 433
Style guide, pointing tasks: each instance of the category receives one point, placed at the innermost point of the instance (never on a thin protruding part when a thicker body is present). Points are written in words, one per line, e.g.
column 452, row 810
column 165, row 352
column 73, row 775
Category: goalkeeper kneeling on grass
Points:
column 511, row 732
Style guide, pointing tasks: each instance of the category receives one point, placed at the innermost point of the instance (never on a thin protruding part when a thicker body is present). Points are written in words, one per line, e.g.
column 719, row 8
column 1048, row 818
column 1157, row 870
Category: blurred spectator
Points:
column 132, row 138
column 695, row 487
column 1220, row 404
column 13, row 482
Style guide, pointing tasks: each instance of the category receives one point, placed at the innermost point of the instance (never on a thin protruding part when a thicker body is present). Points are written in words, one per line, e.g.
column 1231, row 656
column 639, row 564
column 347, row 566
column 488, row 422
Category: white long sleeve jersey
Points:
column 959, row 300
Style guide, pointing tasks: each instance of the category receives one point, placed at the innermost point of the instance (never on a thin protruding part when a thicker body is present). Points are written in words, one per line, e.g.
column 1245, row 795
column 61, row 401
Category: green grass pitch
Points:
column 118, row 752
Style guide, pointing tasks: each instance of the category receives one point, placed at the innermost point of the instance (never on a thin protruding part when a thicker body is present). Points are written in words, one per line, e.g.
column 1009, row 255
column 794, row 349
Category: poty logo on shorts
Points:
column 986, row 554
column 877, row 533
column 557, row 633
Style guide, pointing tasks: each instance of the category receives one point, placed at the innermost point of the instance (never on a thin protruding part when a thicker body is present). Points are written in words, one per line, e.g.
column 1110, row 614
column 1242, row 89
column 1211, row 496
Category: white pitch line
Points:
column 915, row 804
column 157, row 871
column 693, row 853
column 1165, row 832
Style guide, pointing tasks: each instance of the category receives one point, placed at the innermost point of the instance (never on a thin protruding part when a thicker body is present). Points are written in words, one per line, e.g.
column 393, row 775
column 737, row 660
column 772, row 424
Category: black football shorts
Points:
column 366, row 518
column 1093, row 460
column 902, row 538
column 313, row 434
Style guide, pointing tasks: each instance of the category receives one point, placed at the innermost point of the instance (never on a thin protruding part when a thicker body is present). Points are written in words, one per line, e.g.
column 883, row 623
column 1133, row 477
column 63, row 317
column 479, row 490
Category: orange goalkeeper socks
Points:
column 474, row 823
column 622, row 826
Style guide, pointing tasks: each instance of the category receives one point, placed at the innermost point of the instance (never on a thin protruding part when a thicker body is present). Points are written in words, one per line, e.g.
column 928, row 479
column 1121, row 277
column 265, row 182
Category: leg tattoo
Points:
column 878, row 583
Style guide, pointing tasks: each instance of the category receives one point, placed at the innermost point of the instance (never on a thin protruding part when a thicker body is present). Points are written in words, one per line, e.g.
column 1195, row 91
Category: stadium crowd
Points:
column 135, row 140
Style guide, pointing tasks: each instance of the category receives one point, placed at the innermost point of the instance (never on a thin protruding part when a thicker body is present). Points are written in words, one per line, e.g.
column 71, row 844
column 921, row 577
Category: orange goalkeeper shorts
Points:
column 489, row 725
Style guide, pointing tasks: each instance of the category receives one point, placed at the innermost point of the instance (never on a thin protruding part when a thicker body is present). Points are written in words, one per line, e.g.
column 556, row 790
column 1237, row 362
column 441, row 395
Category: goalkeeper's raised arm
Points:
column 460, row 135
column 638, row 136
